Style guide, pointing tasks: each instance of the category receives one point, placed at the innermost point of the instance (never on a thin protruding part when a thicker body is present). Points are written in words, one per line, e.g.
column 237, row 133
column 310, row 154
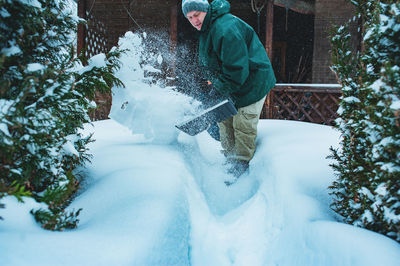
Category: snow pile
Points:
column 134, row 210
column 144, row 106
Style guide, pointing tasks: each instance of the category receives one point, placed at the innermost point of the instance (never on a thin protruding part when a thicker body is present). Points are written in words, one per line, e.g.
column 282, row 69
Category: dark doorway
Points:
column 293, row 38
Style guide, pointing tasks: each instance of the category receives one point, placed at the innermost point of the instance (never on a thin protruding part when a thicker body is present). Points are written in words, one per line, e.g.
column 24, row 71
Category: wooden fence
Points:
column 316, row 103
column 92, row 36
column 92, row 40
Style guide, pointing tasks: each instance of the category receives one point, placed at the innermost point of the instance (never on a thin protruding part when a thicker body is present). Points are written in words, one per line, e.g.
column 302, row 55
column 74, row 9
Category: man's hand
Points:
column 211, row 95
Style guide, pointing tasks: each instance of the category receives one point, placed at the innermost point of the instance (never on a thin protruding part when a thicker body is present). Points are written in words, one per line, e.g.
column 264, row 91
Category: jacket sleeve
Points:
column 232, row 53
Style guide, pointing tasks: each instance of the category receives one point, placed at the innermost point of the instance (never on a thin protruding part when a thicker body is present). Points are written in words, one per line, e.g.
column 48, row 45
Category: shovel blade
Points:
column 217, row 113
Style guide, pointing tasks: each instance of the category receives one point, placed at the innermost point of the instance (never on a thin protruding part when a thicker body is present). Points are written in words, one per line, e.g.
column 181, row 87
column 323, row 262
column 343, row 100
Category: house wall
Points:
column 121, row 16
column 327, row 14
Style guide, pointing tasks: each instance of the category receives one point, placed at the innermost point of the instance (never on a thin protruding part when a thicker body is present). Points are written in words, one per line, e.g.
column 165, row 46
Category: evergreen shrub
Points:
column 367, row 163
column 46, row 93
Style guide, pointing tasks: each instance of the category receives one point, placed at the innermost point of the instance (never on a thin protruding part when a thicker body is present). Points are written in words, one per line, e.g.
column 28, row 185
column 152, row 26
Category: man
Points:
column 236, row 64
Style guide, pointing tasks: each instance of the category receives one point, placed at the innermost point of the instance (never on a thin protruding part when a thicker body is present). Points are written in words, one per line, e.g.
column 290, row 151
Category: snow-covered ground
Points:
column 166, row 204
column 155, row 196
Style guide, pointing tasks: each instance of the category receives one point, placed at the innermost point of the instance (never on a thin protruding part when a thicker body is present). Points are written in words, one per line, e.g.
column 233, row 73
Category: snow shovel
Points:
column 217, row 113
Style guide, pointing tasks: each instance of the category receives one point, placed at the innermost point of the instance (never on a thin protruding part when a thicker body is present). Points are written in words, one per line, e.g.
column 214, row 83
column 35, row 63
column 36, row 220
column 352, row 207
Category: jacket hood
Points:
column 219, row 8
column 216, row 9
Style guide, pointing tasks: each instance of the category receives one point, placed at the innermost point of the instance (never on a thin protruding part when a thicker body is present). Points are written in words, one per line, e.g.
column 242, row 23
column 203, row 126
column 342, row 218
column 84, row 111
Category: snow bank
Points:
column 134, row 210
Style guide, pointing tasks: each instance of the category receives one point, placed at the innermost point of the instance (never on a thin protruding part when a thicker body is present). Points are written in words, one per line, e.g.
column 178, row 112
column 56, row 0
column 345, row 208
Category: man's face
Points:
column 196, row 18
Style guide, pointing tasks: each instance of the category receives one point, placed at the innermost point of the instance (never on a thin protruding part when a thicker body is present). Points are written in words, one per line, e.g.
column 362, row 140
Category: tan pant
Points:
column 238, row 133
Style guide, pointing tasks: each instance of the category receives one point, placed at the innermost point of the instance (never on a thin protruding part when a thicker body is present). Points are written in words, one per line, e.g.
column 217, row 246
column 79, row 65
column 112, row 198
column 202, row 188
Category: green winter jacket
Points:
column 233, row 57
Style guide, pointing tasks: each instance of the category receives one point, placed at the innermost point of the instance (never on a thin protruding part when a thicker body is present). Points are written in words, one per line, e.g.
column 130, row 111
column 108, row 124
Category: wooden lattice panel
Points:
column 302, row 103
column 95, row 43
column 96, row 36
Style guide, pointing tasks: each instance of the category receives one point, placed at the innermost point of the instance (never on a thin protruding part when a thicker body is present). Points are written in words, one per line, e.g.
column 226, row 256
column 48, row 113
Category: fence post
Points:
column 268, row 47
column 81, row 27
column 269, row 25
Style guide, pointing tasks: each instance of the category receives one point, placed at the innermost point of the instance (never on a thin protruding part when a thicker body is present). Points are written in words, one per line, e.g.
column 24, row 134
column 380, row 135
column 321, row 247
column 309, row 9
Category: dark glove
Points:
column 211, row 96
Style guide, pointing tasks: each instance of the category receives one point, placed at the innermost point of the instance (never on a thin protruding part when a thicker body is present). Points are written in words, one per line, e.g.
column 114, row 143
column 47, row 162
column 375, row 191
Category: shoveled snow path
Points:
column 232, row 225
column 279, row 213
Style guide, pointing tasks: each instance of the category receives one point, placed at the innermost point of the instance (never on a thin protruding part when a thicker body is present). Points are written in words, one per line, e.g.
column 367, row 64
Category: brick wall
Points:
column 328, row 13
column 152, row 14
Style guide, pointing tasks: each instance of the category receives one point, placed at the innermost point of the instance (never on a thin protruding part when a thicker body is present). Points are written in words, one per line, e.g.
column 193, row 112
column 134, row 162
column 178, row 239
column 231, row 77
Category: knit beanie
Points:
column 194, row 5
